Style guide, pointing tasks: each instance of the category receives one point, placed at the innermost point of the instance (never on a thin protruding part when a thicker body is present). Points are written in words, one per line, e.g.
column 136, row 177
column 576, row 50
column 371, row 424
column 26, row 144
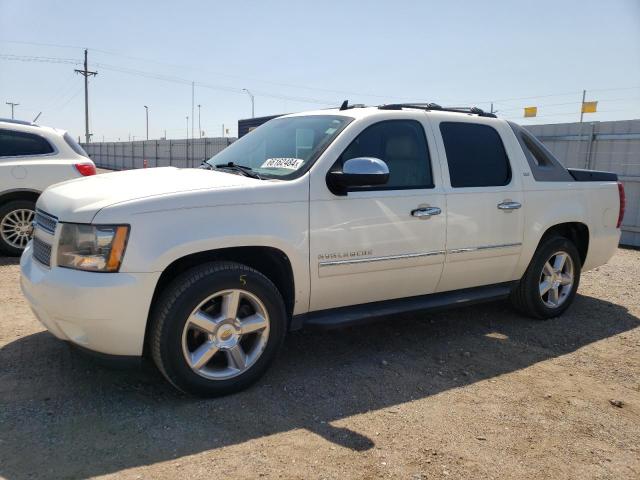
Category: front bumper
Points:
column 103, row 312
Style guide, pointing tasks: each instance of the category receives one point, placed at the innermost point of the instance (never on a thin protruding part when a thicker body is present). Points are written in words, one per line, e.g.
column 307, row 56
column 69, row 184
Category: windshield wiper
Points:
column 244, row 170
column 206, row 166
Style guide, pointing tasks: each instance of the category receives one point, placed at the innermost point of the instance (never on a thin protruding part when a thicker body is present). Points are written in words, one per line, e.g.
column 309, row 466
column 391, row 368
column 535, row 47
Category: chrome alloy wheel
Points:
column 556, row 279
column 16, row 227
column 226, row 334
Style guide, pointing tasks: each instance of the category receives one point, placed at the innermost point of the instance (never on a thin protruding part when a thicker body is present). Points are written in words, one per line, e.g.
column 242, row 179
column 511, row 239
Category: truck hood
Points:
column 80, row 199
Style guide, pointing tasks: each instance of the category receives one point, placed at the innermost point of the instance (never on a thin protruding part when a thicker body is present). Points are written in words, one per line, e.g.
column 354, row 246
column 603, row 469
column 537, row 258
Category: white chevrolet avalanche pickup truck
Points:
column 324, row 218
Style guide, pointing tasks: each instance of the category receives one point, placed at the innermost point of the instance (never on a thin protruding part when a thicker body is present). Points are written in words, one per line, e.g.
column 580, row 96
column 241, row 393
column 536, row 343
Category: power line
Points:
column 65, row 88
column 34, row 58
column 226, row 88
column 74, row 95
column 302, row 99
column 289, row 85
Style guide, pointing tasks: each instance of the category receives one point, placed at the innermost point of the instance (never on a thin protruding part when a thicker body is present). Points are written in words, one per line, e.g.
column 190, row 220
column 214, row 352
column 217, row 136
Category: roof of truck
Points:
column 361, row 111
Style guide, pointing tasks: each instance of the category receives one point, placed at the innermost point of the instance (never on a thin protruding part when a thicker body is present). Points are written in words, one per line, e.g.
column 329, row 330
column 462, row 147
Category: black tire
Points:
column 5, row 210
column 182, row 296
column 526, row 296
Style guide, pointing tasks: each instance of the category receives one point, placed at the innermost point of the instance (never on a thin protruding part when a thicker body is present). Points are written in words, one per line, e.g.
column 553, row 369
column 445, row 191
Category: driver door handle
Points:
column 509, row 205
column 426, row 212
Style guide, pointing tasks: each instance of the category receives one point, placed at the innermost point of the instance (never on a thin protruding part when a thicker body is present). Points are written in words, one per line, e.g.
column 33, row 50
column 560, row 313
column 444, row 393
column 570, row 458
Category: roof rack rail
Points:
column 18, row 122
column 435, row 106
column 345, row 105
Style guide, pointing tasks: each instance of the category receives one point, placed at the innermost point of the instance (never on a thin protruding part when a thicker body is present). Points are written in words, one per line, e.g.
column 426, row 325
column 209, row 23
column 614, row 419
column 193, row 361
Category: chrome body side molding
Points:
column 483, row 247
column 380, row 259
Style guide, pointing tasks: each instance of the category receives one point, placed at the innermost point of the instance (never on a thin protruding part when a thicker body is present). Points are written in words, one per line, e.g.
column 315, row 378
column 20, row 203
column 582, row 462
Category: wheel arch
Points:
column 19, row 194
column 577, row 232
column 270, row 261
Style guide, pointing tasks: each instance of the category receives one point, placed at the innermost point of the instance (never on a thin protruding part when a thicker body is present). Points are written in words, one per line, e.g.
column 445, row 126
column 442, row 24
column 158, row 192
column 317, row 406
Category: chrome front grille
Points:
column 46, row 221
column 42, row 251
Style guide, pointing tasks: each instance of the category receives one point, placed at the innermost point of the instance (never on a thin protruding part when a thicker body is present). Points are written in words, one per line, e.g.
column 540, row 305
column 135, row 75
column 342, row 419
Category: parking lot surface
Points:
column 479, row 392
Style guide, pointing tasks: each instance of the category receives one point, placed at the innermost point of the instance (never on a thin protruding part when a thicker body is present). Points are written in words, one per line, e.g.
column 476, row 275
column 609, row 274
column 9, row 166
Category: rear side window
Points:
column 75, row 146
column 14, row 143
column 544, row 166
column 402, row 145
column 535, row 153
column 475, row 154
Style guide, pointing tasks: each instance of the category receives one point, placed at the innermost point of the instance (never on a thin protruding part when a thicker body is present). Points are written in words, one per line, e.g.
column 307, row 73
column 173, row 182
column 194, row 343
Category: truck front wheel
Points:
column 550, row 283
column 216, row 328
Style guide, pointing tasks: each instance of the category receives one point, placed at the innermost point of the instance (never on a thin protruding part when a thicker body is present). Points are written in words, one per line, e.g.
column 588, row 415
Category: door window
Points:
column 475, row 154
column 402, row 145
column 14, row 144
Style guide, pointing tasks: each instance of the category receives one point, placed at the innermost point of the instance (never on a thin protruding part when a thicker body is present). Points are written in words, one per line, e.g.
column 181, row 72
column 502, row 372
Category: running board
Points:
column 367, row 312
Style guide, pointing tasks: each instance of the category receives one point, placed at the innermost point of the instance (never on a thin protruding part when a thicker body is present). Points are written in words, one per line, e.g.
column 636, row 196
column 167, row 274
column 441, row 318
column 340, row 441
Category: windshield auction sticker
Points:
column 288, row 163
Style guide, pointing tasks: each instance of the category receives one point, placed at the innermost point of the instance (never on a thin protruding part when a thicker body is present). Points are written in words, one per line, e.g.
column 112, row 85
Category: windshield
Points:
column 282, row 147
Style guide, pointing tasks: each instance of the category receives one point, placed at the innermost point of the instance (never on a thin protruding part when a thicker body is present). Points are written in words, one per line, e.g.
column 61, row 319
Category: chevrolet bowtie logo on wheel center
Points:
column 226, row 336
column 226, row 333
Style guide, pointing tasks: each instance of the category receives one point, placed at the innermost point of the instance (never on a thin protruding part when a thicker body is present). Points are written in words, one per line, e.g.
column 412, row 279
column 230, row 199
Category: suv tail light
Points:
column 623, row 203
column 85, row 169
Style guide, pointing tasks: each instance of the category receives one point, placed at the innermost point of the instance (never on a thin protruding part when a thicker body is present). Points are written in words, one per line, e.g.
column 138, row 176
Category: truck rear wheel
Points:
column 550, row 283
column 15, row 226
column 216, row 328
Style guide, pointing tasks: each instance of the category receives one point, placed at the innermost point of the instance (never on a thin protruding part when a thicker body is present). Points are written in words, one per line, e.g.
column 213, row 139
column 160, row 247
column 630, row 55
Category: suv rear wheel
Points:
column 15, row 226
column 550, row 283
column 217, row 328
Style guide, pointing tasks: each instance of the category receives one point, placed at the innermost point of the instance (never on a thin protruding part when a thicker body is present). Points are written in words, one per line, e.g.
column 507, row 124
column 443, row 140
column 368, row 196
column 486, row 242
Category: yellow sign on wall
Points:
column 589, row 107
column 530, row 111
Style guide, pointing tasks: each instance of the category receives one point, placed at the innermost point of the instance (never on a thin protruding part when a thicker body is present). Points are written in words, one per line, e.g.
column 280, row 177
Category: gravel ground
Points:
column 474, row 393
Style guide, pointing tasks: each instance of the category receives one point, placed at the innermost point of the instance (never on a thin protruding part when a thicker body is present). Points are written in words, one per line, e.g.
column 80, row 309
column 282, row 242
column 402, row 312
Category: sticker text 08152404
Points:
column 288, row 163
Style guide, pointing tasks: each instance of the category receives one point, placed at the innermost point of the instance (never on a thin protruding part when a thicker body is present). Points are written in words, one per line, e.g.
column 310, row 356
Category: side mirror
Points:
column 358, row 172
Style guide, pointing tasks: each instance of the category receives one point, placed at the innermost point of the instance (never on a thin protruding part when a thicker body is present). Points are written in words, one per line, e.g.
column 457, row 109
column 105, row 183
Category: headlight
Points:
column 97, row 248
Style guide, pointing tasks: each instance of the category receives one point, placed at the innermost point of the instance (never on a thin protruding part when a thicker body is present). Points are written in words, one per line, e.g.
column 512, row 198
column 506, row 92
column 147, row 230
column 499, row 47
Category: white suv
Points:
column 32, row 158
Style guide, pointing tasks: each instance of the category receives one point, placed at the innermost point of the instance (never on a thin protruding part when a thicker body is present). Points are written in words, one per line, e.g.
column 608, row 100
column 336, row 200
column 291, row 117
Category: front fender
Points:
column 157, row 239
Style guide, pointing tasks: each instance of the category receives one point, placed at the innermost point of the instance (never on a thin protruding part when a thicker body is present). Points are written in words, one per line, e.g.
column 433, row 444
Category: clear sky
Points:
column 301, row 55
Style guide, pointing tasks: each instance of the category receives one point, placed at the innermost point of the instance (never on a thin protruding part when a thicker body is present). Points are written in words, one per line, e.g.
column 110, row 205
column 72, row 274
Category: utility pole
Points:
column 147, row 112
column 199, row 125
column 252, row 102
column 13, row 105
column 223, row 130
column 86, row 74
column 187, row 141
column 584, row 95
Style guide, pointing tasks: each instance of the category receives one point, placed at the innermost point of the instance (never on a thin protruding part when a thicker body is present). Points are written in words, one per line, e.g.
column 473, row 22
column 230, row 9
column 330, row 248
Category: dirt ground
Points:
column 473, row 393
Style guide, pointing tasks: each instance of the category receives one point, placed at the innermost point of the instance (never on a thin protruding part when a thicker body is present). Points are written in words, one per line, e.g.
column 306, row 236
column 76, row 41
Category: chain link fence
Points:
column 155, row 153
